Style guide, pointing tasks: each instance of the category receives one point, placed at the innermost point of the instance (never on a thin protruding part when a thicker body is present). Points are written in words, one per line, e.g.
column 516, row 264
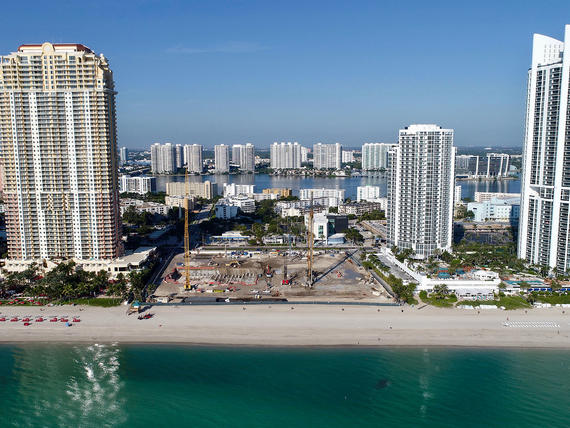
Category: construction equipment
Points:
column 233, row 264
column 285, row 279
column 187, row 285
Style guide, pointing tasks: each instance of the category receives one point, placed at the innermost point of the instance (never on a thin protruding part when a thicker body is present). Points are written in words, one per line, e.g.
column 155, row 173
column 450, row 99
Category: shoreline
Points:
column 282, row 347
column 305, row 326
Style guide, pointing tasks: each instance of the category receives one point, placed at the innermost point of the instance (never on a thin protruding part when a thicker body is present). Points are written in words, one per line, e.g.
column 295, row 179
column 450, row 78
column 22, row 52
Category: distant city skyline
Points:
column 261, row 72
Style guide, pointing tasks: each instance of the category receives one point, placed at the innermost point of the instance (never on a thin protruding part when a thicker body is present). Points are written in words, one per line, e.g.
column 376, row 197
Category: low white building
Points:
column 240, row 202
column 282, row 207
column 321, row 193
column 359, row 208
column 232, row 236
column 477, row 283
column 225, row 211
column 265, row 196
column 143, row 206
column 367, row 193
column 234, row 189
column 141, row 185
column 291, row 212
column 179, row 202
column 487, row 196
column 243, row 202
column 134, row 260
column 496, row 210
column 325, row 225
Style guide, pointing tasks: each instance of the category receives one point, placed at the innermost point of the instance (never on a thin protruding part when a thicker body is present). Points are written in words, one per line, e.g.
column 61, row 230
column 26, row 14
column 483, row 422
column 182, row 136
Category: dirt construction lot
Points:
column 334, row 276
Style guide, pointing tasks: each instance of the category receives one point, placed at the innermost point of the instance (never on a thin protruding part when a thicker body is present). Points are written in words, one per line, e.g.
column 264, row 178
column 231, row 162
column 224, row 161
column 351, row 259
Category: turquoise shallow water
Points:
column 109, row 385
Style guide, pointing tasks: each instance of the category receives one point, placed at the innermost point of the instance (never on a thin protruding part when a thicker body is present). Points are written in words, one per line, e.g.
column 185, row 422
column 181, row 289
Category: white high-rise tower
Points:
column 222, row 158
column 243, row 155
column 327, row 156
column 375, row 156
column 545, row 194
column 193, row 155
column 421, row 189
column 285, row 155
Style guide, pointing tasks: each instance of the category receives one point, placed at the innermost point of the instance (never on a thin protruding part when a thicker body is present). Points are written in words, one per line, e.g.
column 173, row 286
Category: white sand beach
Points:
column 305, row 325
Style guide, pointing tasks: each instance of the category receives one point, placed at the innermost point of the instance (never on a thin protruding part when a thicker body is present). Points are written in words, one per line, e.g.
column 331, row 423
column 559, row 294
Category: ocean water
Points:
column 264, row 181
column 163, row 385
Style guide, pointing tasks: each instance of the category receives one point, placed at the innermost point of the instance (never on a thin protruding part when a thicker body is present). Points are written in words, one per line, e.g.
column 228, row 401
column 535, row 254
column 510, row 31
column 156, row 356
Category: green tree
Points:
column 440, row 290
column 258, row 231
column 446, row 257
column 353, row 235
column 138, row 281
column 403, row 291
column 404, row 254
column 373, row 215
column 118, row 288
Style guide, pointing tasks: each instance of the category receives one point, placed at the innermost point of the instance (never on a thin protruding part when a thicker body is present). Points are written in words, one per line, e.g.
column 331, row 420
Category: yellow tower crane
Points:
column 187, row 285
column 310, row 245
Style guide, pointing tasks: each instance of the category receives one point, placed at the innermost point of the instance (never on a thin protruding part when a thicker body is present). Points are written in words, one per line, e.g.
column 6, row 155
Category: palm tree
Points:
column 440, row 290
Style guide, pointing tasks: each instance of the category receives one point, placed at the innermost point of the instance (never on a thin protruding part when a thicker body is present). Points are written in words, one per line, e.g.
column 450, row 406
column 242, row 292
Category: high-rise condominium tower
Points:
column 375, row 156
column 163, row 158
column 179, row 156
column 193, row 155
column 421, row 189
column 59, row 150
column 327, row 156
column 243, row 155
column 285, row 155
column 545, row 200
column 124, row 155
column 304, row 154
column 222, row 158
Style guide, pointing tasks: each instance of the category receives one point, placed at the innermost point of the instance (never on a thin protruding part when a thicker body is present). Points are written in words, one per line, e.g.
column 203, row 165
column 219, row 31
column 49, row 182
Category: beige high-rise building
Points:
column 206, row 189
column 59, row 150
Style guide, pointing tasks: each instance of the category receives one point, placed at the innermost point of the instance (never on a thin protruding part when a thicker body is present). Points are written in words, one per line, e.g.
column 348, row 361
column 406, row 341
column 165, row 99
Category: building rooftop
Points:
column 74, row 47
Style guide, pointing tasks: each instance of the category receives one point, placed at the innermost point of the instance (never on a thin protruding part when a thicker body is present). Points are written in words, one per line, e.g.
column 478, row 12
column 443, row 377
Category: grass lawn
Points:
column 104, row 302
column 446, row 302
column 552, row 298
column 509, row 302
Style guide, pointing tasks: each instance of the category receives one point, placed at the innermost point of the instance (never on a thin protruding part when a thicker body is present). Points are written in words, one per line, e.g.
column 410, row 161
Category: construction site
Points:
column 226, row 275
column 266, row 275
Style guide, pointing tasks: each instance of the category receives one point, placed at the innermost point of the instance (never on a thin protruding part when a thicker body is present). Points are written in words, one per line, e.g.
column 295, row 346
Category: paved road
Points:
column 356, row 259
column 395, row 270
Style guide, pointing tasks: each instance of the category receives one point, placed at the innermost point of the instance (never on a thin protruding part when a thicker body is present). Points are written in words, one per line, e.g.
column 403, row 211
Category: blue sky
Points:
column 259, row 71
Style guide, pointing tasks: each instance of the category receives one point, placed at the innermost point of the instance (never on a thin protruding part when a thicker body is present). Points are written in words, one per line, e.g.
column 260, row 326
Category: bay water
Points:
column 349, row 184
